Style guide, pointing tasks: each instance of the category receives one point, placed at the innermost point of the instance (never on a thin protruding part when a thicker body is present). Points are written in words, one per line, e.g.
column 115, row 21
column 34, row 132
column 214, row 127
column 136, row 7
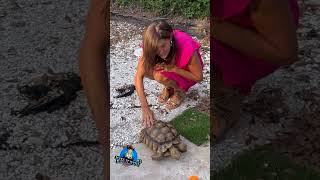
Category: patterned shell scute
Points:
column 162, row 134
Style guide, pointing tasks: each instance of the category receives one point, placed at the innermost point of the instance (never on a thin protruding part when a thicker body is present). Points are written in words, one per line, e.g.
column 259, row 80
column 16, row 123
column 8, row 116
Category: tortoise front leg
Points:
column 175, row 153
column 157, row 156
column 181, row 146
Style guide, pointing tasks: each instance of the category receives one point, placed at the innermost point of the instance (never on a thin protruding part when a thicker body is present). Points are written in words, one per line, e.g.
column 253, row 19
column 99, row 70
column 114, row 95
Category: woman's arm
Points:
column 92, row 67
column 194, row 66
column 138, row 82
column 275, row 40
column 147, row 114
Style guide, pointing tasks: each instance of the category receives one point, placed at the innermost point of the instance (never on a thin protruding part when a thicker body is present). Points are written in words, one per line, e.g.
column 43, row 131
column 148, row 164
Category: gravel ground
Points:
column 36, row 36
column 278, row 99
column 125, row 120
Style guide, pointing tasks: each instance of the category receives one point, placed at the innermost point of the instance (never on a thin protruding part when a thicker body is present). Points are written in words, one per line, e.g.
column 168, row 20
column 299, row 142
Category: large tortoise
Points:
column 163, row 139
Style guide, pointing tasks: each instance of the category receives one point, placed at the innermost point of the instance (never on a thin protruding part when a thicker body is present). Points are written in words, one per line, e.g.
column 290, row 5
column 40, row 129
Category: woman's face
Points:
column 164, row 48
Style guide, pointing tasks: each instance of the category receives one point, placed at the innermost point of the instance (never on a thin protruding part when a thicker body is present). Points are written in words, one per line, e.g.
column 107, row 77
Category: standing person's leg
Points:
column 92, row 67
column 225, row 109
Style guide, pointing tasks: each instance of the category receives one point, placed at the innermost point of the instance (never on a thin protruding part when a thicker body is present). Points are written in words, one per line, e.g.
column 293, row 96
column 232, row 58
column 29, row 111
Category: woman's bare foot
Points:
column 220, row 127
column 225, row 113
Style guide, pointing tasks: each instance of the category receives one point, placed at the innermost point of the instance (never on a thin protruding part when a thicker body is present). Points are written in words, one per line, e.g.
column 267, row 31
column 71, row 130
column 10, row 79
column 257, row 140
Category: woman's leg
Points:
column 225, row 111
column 167, row 90
column 171, row 91
column 165, row 81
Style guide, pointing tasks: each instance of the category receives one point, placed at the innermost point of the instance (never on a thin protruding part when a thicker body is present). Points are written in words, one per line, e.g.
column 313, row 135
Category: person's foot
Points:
column 175, row 100
column 221, row 127
column 226, row 113
column 165, row 95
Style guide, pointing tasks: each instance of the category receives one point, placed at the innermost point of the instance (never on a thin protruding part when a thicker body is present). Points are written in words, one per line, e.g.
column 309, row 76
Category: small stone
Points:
column 12, row 51
column 12, row 80
column 35, row 140
column 18, row 24
column 11, row 86
column 64, row 138
column 280, row 110
column 68, row 19
column 14, row 163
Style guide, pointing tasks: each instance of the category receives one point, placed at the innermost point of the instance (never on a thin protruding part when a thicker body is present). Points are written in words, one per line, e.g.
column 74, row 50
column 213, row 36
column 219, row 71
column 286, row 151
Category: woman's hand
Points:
column 147, row 117
column 158, row 67
column 166, row 67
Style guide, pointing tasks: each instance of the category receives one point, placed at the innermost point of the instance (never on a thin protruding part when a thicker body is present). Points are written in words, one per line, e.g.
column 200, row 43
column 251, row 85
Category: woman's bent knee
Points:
column 159, row 77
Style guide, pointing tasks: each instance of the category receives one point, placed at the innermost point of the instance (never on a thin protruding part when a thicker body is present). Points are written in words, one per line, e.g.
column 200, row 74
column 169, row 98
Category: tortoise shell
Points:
column 160, row 137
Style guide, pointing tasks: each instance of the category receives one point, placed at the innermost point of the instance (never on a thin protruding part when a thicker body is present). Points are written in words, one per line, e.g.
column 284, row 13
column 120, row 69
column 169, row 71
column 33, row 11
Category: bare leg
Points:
column 163, row 80
column 169, row 86
column 225, row 111
column 92, row 68
column 176, row 97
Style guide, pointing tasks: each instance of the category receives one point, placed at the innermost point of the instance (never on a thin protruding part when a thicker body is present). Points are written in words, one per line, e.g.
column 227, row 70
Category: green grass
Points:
column 192, row 125
column 189, row 9
column 264, row 164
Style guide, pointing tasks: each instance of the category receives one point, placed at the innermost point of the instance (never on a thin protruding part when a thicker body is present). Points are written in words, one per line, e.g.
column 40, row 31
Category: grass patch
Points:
column 192, row 125
column 264, row 164
column 189, row 9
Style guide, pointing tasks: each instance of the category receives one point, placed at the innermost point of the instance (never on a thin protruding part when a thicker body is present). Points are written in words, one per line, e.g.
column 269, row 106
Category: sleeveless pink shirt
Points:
column 185, row 48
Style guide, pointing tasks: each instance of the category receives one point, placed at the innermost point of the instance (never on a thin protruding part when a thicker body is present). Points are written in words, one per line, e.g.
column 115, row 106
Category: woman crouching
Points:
column 172, row 58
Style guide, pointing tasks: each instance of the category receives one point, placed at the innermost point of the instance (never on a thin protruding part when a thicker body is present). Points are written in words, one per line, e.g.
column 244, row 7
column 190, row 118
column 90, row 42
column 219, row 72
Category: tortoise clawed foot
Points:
column 157, row 156
column 182, row 147
column 175, row 153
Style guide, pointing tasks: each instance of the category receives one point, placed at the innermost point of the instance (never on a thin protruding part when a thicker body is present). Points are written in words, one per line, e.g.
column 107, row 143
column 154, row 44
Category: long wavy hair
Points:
column 158, row 29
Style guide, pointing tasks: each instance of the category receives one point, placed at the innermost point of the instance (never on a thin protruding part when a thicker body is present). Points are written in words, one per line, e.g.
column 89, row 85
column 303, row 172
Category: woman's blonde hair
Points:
column 158, row 29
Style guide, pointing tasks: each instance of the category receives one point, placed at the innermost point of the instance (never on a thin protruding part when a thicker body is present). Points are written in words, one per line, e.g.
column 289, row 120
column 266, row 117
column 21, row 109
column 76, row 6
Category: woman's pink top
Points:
column 185, row 48
column 239, row 70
